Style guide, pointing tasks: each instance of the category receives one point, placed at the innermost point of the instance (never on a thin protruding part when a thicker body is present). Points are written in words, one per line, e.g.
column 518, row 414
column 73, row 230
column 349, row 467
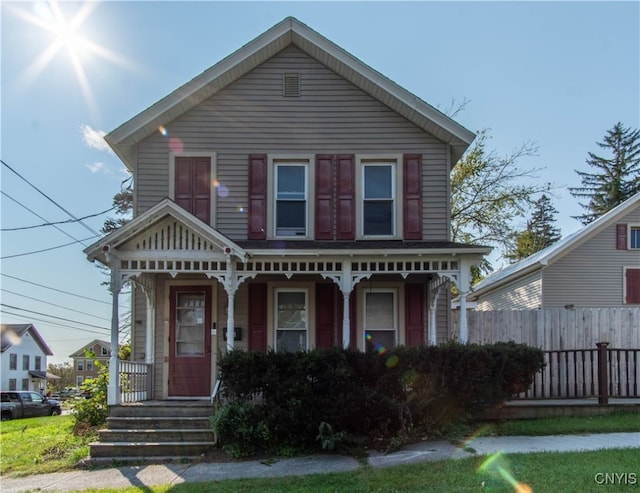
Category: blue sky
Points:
column 559, row 74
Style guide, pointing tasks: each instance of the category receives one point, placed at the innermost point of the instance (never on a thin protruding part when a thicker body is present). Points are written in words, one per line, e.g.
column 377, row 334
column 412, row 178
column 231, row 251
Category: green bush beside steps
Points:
column 280, row 403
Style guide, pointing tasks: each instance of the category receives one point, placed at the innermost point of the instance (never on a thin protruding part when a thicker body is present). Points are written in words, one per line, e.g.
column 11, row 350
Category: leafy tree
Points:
column 539, row 234
column 489, row 191
column 123, row 202
column 615, row 179
column 65, row 372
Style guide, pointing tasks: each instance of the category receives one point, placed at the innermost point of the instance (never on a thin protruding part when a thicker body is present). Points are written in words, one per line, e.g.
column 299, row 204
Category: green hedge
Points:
column 277, row 401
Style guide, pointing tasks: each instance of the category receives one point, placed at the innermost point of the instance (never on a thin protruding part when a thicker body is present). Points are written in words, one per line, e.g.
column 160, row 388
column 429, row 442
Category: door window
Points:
column 190, row 324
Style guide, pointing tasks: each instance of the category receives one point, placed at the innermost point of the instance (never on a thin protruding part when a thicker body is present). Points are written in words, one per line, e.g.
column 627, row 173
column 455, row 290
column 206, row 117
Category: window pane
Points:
column 291, row 310
column 190, row 340
column 13, row 362
column 377, row 182
column 12, row 384
column 381, row 339
column 379, row 311
column 635, row 237
column 290, row 218
column 378, row 218
column 291, row 340
column 291, row 182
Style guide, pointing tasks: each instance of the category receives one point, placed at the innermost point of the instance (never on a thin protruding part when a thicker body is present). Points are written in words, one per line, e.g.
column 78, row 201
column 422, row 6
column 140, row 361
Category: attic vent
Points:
column 291, row 84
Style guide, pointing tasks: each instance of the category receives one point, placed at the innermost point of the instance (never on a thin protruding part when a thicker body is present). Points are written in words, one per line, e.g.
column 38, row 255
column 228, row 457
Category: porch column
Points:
column 463, row 286
column 434, row 291
column 151, row 324
column 231, row 286
column 113, row 389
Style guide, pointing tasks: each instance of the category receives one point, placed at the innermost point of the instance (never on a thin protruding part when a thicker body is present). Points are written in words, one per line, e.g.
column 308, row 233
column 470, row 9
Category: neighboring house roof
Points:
column 12, row 333
column 80, row 352
column 553, row 252
column 155, row 214
column 288, row 32
column 44, row 375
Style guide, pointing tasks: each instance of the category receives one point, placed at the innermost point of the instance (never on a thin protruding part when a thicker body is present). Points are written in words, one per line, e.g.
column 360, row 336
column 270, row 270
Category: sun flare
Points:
column 66, row 39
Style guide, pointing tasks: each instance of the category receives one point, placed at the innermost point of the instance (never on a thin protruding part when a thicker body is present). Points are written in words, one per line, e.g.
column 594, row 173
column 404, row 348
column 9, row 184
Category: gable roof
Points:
column 154, row 215
column 289, row 31
column 80, row 352
column 12, row 333
column 553, row 252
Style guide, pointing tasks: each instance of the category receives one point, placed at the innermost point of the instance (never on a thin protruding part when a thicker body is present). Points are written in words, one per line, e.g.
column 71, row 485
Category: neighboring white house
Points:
column 23, row 358
column 596, row 267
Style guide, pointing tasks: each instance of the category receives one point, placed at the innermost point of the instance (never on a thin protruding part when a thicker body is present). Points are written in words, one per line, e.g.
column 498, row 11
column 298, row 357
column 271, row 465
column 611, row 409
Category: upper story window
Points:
column 634, row 237
column 291, row 200
column 80, row 365
column 104, row 351
column 25, row 361
column 38, row 363
column 380, row 185
column 13, row 361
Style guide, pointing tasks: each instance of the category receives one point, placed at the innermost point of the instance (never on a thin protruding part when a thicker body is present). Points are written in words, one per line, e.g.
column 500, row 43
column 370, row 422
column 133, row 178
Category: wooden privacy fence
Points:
column 555, row 329
column 589, row 352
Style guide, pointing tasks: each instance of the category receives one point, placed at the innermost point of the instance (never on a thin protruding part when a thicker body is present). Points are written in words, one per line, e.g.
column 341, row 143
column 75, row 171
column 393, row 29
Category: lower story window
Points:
column 292, row 325
column 13, row 384
column 380, row 319
column 25, row 384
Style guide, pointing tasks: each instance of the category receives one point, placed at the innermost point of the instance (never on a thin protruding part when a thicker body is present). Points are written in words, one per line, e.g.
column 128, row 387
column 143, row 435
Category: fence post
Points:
column 603, row 373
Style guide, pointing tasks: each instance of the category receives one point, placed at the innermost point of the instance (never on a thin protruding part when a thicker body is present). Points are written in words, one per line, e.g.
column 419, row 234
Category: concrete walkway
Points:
column 152, row 475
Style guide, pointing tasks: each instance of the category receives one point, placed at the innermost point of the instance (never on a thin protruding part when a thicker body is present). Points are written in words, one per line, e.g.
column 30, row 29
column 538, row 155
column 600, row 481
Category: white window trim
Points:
column 629, row 228
column 396, row 160
column 212, row 190
column 624, row 283
column 303, row 159
column 396, row 312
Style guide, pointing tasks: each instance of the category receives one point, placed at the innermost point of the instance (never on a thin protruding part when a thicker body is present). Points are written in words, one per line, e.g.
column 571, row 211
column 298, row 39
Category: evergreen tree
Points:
column 539, row 234
column 616, row 179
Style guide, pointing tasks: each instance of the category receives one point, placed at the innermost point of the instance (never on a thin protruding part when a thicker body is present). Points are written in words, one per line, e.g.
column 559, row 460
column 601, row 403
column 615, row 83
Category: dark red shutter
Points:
column 414, row 314
column 324, row 197
column 621, row 236
column 257, row 317
column 412, row 192
column 193, row 186
column 345, row 203
column 257, row 224
column 326, row 304
column 633, row 286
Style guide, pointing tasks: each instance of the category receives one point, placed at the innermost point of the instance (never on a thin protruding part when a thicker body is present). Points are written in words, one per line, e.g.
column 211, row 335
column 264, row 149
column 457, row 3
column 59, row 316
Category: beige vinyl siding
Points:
column 251, row 116
column 523, row 294
column 591, row 275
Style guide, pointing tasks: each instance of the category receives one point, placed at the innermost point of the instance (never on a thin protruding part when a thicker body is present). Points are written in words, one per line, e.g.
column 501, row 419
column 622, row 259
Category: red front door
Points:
column 190, row 341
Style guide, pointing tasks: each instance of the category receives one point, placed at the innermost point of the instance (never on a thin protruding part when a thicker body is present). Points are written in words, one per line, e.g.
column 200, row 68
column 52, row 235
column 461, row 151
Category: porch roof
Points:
column 193, row 235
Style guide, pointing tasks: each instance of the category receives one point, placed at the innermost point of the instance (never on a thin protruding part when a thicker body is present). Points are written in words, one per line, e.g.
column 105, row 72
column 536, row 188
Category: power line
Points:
column 91, row 230
column 46, row 249
column 54, row 304
column 38, row 215
column 58, row 222
column 49, row 322
column 55, row 289
column 52, row 316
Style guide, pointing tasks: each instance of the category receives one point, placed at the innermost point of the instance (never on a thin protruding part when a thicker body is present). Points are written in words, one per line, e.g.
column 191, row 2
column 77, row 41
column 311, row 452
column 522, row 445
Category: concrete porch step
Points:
column 149, row 449
column 155, row 435
column 158, row 422
column 172, row 409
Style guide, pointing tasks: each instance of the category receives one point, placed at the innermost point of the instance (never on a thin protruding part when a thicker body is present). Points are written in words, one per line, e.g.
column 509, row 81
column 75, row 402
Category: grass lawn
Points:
column 542, row 472
column 41, row 445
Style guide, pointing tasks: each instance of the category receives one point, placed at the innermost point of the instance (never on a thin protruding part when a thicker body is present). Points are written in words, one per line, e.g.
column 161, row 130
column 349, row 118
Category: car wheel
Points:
column 56, row 411
column 6, row 416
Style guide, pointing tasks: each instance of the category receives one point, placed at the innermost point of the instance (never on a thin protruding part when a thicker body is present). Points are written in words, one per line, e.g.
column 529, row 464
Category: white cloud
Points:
column 98, row 168
column 95, row 138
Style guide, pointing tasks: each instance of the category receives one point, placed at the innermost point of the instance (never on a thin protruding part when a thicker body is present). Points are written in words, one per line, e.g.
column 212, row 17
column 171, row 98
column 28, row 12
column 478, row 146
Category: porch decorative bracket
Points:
column 451, row 277
column 232, row 282
column 346, row 283
column 145, row 283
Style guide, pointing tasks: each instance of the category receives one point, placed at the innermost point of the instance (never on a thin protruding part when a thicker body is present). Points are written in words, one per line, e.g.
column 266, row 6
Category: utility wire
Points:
column 49, row 322
column 38, row 215
column 46, row 249
column 53, row 316
column 55, row 289
column 58, row 222
column 54, row 304
column 91, row 230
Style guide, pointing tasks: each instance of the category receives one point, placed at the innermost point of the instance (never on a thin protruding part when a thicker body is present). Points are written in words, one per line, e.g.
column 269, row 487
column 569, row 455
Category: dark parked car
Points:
column 26, row 404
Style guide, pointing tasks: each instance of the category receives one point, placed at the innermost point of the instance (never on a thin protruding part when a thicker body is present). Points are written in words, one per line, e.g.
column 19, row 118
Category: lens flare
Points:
column 176, row 145
column 392, row 361
column 223, row 191
column 497, row 465
column 163, row 131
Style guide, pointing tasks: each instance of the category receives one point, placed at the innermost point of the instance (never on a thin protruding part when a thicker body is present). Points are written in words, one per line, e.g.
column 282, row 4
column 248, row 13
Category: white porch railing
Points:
column 135, row 381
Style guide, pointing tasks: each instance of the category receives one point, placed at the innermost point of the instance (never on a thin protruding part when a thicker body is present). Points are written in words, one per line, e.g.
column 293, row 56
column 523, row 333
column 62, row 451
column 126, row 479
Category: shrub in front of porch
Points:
column 277, row 401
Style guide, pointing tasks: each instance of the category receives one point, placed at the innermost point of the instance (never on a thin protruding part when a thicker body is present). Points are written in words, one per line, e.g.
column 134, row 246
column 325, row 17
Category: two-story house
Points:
column 289, row 197
column 23, row 358
column 85, row 358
